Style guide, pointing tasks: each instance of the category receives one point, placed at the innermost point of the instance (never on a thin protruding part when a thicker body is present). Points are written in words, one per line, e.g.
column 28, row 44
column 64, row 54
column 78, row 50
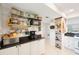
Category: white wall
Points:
column 0, row 17
column 74, row 22
column 5, row 12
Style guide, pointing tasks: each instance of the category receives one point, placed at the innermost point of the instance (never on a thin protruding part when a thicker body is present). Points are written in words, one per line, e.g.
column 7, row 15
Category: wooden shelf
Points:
column 33, row 19
column 19, row 16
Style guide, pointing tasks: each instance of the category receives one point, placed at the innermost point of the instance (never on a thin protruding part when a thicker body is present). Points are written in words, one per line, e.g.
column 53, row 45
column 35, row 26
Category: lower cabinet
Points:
column 24, row 49
column 42, row 46
column 72, row 43
column 76, row 46
column 30, row 48
column 1, row 52
column 37, row 47
column 68, row 42
column 65, row 42
column 9, row 51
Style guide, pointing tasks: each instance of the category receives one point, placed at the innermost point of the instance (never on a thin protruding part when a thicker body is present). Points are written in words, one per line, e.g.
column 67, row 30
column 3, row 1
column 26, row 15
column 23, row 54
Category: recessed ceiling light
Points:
column 71, row 10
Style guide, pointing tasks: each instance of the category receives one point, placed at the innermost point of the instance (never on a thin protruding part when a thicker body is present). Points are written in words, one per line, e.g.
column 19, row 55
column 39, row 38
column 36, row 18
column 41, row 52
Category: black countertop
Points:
column 22, row 40
column 72, row 34
column 69, row 34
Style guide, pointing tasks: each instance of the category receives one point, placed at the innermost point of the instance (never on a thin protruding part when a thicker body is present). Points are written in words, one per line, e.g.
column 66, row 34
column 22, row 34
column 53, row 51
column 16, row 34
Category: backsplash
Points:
column 73, row 27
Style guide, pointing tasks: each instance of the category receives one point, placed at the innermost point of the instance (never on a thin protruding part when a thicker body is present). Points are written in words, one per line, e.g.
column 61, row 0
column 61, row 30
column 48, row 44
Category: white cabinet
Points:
column 37, row 47
column 72, row 43
column 24, row 49
column 68, row 42
column 42, row 46
column 34, row 48
column 76, row 45
column 9, row 51
column 0, row 52
column 30, row 48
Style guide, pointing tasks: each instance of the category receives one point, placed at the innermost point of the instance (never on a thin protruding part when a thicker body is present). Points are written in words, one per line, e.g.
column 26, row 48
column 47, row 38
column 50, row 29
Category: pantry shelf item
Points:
column 59, row 26
column 20, row 21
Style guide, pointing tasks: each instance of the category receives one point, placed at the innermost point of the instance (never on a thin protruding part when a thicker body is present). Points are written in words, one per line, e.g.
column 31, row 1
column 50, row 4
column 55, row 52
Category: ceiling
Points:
column 68, row 9
column 39, row 8
column 50, row 10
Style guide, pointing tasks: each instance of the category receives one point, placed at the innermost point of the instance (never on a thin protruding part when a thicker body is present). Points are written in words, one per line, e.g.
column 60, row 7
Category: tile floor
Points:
column 51, row 50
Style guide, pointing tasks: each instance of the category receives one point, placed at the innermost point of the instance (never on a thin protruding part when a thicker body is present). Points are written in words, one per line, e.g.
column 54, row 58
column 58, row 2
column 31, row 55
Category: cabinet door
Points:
column 76, row 45
column 0, row 52
column 42, row 46
column 10, row 51
column 72, row 43
column 24, row 49
column 68, row 42
column 65, row 42
column 35, row 48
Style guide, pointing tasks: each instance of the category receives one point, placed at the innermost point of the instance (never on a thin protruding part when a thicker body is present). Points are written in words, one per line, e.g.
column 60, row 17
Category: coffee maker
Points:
column 32, row 35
